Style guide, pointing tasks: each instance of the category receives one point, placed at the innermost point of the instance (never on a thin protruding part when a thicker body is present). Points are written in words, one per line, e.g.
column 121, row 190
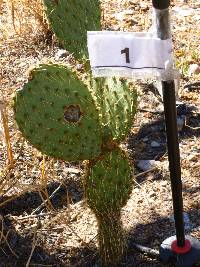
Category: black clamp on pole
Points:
column 161, row 4
column 181, row 250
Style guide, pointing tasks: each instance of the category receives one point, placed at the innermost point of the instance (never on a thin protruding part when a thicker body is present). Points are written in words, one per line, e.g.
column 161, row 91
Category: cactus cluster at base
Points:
column 70, row 21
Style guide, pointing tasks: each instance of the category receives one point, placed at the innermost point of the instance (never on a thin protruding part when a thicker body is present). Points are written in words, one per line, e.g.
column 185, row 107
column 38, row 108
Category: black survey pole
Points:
column 169, row 99
column 183, row 251
column 174, row 158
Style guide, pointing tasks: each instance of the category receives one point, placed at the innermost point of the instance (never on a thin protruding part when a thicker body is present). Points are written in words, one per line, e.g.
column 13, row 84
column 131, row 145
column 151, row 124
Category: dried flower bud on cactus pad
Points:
column 56, row 113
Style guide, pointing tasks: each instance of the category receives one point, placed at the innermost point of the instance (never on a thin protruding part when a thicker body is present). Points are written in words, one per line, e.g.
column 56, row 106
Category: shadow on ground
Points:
column 18, row 252
column 155, row 232
column 85, row 256
column 139, row 144
column 30, row 201
column 150, row 235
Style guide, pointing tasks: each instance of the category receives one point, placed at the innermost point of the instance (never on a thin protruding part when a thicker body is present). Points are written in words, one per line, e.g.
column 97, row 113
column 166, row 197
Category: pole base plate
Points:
column 187, row 259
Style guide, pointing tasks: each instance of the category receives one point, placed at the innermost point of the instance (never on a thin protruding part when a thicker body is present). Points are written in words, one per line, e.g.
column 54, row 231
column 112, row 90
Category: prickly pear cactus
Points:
column 66, row 119
column 108, row 187
column 70, row 21
column 56, row 113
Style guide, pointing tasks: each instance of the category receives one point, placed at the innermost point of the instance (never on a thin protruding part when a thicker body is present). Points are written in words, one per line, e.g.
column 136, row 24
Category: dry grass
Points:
column 11, row 185
column 24, row 17
column 24, row 20
column 5, row 133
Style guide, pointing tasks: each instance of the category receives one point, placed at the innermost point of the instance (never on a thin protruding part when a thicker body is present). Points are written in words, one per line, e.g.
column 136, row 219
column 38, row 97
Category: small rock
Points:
column 129, row 12
column 136, row 190
column 121, row 15
column 61, row 54
column 72, row 170
column 155, row 144
column 144, row 7
column 139, row 201
column 133, row 22
column 194, row 69
column 180, row 122
column 146, row 165
column 163, row 183
column 79, row 66
column 19, row 79
column 183, row 12
column 22, row 65
column 133, row 2
column 152, row 194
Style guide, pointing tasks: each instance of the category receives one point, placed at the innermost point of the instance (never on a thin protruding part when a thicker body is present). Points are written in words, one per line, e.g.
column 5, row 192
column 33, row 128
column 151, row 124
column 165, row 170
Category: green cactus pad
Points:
column 108, row 186
column 70, row 21
column 109, row 182
column 117, row 101
column 56, row 113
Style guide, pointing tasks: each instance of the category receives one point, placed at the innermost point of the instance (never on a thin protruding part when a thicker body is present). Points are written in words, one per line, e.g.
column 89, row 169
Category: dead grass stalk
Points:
column 5, row 132
column 25, row 16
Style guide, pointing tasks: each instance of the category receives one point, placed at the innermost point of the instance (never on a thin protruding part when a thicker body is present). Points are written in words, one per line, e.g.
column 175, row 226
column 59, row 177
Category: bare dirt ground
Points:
column 62, row 231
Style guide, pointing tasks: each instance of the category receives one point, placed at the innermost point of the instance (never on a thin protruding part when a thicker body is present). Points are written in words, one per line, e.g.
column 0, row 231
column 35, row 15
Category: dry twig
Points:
column 33, row 247
column 5, row 237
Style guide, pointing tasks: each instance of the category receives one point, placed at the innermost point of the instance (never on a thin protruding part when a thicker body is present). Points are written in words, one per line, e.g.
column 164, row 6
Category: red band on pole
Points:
column 181, row 250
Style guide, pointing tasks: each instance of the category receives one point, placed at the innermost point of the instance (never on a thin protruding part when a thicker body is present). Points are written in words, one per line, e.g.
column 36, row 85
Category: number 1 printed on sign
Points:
column 126, row 51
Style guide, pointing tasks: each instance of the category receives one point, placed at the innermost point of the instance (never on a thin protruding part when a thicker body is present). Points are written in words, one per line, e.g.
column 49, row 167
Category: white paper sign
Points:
column 129, row 54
